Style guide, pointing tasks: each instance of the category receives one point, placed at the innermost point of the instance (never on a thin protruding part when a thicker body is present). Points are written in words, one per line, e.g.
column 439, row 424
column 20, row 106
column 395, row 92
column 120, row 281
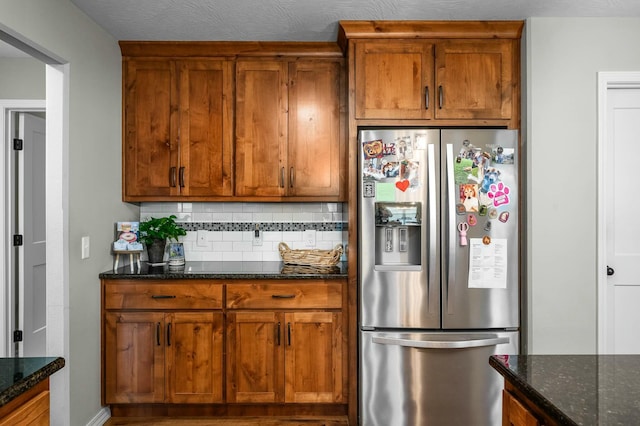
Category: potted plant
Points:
column 154, row 233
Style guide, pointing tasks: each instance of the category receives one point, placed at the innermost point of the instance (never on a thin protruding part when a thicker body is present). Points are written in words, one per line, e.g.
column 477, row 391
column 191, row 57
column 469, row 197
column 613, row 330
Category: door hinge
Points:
column 17, row 240
column 17, row 144
column 17, row 336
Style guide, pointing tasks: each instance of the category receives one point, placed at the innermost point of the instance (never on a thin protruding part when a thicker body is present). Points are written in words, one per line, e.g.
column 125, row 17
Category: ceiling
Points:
column 312, row 20
column 308, row 20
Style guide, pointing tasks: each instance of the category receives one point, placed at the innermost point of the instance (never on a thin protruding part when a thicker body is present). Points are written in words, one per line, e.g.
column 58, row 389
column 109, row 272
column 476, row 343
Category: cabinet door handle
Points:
column 440, row 97
column 169, row 334
column 283, row 296
column 291, row 176
column 289, row 332
column 172, row 176
column 181, row 177
column 158, row 334
column 426, row 97
column 278, row 333
column 162, row 296
column 282, row 177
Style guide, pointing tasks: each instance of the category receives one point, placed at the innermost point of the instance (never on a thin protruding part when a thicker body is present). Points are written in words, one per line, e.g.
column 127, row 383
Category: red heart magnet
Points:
column 402, row 185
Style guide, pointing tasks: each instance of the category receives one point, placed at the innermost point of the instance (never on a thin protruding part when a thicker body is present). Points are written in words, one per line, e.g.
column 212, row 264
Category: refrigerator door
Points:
column 432, row 379
column 480, row 218
column 399, row 228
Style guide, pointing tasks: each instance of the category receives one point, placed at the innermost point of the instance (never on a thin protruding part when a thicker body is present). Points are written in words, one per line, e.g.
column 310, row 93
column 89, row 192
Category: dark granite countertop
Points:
column 599, row 390
column 18, row 375
column 228, row 270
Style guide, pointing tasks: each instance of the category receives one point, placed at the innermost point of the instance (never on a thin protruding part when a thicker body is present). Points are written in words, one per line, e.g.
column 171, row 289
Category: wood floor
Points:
column 228, row 421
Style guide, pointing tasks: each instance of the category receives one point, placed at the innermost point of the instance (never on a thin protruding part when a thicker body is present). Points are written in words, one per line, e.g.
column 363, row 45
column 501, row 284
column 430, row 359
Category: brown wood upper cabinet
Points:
column 178, row 129
column 445, row 72
column 289, row 131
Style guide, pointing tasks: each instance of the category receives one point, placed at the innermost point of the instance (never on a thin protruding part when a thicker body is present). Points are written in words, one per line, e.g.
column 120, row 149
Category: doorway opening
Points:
column 618, row 284
column 24, row 161
column 56, row 105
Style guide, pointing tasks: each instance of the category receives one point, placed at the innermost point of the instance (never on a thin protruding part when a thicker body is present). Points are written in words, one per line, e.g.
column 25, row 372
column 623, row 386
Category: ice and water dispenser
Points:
column 398, row 231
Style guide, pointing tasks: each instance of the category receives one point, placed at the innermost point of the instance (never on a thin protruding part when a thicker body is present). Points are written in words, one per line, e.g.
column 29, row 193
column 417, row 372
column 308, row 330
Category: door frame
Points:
column 7, row 107
column 606, row 80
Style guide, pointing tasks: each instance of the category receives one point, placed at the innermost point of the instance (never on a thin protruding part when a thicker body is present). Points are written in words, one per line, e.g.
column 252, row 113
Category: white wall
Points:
column 563, row 57
column 21, row 78
column 92, row 169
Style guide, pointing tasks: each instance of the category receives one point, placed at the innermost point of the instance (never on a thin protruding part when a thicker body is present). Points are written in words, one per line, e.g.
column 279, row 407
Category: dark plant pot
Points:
column 155, row 251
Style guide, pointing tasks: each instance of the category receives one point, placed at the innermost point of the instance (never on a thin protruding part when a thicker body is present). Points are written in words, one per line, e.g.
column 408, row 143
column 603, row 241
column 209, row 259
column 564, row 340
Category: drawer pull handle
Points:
column 283, row 296
column 162, row 296
column 172, row 177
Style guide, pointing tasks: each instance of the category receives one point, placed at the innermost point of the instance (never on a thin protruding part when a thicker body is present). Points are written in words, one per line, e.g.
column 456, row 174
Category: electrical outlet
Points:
column 201, row 237
column 309, row 237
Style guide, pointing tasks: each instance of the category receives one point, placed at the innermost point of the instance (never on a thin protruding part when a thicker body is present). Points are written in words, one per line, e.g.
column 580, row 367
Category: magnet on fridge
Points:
column 486, row 240
column 460, row 208
column 483, row 210
column 368, row 189
column 463, row 227
column 493, row 213
column 487, row 226
column 471, row 220
column 504, row 217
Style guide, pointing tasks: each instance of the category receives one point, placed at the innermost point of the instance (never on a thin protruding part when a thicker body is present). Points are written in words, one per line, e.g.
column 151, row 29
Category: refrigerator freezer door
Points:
column 480, row 287
column 432, row 379
column 399, row 228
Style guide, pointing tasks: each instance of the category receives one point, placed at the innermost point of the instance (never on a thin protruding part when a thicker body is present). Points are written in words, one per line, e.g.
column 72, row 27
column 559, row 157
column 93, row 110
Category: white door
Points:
column 31, row 218
column 622, row 225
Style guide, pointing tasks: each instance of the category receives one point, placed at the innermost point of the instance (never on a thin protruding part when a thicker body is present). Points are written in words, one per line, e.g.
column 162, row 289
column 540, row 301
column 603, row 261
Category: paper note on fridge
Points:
column 487, row 263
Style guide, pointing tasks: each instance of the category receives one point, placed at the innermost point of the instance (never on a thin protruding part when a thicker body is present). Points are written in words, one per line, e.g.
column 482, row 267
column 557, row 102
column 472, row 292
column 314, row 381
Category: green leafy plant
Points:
column 161, row 228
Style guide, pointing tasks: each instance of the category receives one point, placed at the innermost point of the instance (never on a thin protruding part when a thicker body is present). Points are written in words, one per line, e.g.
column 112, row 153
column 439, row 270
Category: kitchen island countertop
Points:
column 228, row 270
column 18, row 375
column 593, row 390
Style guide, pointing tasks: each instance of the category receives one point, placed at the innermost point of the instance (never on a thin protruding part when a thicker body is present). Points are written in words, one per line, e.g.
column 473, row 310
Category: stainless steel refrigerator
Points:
column 438, row 274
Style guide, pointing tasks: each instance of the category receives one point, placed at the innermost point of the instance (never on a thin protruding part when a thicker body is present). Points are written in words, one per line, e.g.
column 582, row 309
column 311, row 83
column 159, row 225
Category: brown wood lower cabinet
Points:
column 163, row 350
column 160, row 345
column 284, row 357
column 163, row 357
column 518, row 410
column 31, row 408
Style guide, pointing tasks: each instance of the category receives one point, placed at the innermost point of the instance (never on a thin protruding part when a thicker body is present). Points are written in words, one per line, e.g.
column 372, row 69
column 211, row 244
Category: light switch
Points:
column 86, row 247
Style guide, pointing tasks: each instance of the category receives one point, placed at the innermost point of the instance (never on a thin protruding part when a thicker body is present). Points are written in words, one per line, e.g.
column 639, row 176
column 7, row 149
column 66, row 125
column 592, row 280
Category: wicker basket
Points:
column 310, row 257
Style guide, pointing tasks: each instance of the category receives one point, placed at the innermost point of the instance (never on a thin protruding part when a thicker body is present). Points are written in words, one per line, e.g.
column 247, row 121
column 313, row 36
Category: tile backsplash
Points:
column 227, row 229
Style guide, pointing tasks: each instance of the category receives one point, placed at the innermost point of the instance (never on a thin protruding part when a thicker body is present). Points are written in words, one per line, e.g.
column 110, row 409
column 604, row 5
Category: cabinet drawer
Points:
column 280, row 295
column 163, row 295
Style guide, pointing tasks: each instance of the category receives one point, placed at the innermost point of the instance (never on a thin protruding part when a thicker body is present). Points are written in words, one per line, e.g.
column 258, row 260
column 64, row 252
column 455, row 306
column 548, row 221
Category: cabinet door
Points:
column 206, row 128
column 255, row 357
column 194, row 357
column 150, row 155
column 314, row 357
column 474, row 79
column 261, row 127
column 394, row 79
column 514, row 413
column 134, row 357
column 315, row 148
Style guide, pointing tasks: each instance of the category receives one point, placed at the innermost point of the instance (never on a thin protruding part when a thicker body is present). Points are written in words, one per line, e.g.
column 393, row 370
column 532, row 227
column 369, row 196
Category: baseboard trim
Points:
column 99, row 419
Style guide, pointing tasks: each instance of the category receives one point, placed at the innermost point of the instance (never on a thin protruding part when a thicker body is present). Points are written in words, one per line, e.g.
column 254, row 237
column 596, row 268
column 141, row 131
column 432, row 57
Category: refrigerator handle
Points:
column 451, row 226
column 487, row 340
column 431, row 265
